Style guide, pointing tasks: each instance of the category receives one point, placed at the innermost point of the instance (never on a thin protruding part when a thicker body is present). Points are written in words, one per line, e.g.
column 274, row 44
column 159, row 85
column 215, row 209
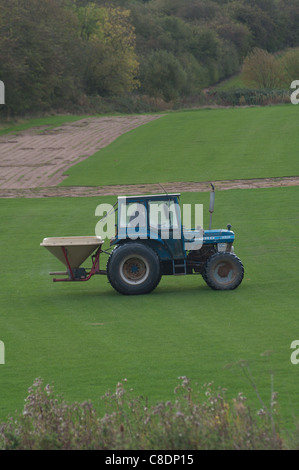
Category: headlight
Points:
column 225, row 247
column 222, row 247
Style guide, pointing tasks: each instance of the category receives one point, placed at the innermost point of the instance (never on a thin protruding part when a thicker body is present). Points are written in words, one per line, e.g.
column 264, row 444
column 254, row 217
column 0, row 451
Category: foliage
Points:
column 258, row 20
column 111, row 64
column 38, row 54
column 163, row 75
column 200, row 419
column 247, row 97
column 52, row 54
column 262, row 70
column 55, row 53
column 290, row 65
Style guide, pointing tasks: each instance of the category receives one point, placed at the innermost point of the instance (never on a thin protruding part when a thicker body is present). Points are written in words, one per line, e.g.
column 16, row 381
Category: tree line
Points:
column 54, row 53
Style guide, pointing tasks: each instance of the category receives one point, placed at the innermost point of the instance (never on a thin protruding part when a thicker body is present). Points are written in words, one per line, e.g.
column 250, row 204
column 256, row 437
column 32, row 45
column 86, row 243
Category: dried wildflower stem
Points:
column 269, row 410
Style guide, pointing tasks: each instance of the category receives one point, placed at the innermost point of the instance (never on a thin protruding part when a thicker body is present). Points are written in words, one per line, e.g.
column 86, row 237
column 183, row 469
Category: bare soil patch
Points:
column 126, row 190
column 37, row 158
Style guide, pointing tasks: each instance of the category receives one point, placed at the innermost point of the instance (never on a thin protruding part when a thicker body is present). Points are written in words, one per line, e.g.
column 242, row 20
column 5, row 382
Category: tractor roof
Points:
column 150, row 197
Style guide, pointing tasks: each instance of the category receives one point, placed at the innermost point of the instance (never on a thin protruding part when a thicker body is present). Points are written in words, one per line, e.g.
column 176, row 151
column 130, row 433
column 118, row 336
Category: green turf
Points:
column 232, row 83
column 201, row 145
column 85, row 337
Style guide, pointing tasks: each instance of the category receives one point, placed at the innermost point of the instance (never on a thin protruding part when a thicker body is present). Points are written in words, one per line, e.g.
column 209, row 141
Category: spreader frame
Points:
column 95, row 269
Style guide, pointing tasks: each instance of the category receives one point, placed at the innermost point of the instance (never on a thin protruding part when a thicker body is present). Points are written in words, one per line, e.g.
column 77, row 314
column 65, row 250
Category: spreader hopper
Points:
column 78, row 249
column 73, row 251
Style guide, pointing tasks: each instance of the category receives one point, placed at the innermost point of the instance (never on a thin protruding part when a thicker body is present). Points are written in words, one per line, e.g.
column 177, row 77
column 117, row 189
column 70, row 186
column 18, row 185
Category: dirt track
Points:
column 37, row 158
column 32, row 163
column 78, row 191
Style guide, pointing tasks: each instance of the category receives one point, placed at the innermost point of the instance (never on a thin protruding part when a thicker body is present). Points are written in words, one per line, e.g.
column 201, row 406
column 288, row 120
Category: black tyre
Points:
column 223, row 271
column 133, row 268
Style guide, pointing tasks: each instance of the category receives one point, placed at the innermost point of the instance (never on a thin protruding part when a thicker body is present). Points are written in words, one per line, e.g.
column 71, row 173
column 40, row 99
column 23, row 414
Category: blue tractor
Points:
column 151, row 242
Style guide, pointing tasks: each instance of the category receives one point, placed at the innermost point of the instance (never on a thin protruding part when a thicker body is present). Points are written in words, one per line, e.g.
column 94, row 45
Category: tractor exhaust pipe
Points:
column 212, row 203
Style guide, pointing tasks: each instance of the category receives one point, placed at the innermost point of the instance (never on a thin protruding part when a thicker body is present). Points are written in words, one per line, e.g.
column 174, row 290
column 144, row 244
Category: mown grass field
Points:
column 201, row 145
column 85, row 337
column 233, row 83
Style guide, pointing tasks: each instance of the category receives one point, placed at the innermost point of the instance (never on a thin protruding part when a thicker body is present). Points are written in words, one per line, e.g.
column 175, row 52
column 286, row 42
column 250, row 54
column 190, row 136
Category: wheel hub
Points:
column 224, row 272
column 134, row 269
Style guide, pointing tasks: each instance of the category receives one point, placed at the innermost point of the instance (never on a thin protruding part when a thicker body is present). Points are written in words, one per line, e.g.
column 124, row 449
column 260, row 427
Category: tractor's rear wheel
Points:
column 133, row 268
column 223, row 271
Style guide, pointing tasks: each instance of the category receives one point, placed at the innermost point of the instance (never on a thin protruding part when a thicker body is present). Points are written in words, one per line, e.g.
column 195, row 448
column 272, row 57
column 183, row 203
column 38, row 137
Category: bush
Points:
column 290, row 63
column 196, row 419
column 248, row 97
column 262, row 70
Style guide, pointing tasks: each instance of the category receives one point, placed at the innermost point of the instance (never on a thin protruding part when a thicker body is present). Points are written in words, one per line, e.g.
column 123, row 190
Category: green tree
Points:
column 39, row 53
column 197, row 76
column 289, row 21
column 259, row 22
column 205, row 47
column 111, row 64
column 237, row 34
column 162, row 75
column 191, row 10
column 90, row 18
column 228, row 62
column 205, row 44
column 176, row 33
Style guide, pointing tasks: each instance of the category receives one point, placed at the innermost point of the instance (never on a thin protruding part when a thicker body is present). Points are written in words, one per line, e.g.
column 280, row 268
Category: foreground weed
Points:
column 200, row 418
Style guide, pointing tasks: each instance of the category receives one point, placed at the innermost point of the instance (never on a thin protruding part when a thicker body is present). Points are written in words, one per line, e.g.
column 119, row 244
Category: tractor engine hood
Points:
column 218, row 236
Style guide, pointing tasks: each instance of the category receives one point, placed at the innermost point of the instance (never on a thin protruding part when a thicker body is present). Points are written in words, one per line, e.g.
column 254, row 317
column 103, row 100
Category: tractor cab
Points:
column 155, row 219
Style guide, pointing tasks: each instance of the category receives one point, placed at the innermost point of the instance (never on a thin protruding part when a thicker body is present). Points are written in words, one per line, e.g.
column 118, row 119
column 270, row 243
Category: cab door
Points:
column 165, row 226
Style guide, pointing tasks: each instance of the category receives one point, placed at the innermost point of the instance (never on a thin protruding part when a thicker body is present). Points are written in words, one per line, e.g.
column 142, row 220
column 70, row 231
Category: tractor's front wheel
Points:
column 223, row 271
column 133, row 268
